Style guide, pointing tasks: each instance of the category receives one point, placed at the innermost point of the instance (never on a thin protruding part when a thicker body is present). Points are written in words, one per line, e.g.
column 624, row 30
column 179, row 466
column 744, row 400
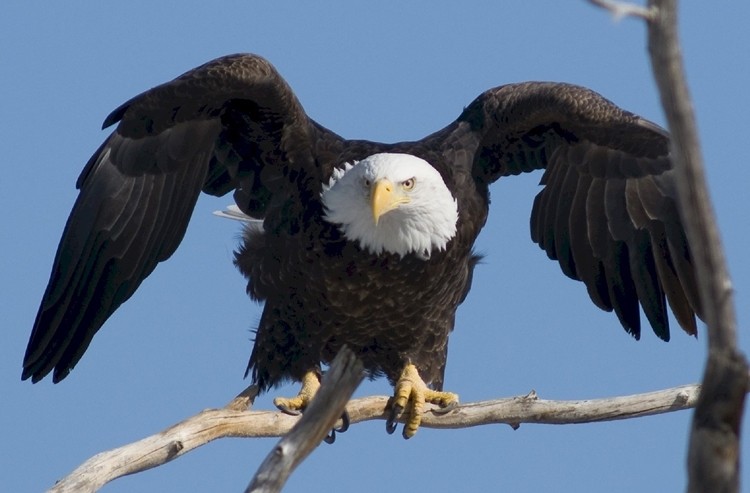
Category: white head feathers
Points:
column 418, row 216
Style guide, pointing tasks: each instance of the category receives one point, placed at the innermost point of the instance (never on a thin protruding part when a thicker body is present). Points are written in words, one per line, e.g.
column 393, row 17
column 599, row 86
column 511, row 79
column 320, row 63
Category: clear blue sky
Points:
column 383, row 71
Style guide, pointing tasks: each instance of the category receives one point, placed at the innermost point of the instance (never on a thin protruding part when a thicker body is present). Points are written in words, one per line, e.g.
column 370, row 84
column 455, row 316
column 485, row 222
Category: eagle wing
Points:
column 226, row 125
column 608, row 211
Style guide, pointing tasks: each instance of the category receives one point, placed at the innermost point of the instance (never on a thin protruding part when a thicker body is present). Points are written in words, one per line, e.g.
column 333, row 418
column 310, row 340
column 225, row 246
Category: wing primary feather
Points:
column 646, row 280
column 588, row 267
column 662, row 212
column 596, row 219
column 673, row 287
column 622, row 291
column 561, row 228
column 548, row 206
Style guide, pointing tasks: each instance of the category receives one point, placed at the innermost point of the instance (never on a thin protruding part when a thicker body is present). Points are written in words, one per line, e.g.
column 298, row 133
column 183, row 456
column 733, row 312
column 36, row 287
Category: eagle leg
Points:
column 296, row 405
column 410, row 396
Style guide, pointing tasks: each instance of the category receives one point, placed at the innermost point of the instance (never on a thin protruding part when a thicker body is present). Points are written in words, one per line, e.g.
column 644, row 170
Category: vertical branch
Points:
column 700, row 221
column 714, row 454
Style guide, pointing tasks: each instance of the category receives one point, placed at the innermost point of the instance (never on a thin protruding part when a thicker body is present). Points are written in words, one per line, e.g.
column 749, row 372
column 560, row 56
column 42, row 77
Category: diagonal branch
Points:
column 230, row 421
column 337, row 387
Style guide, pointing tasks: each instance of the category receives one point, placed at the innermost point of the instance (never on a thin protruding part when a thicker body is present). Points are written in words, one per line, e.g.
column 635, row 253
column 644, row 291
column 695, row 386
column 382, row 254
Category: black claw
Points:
column 344, row 422
column 391, row 422
column 445, row 410
column 331, row 437
column 289, row 410
column 403, row 434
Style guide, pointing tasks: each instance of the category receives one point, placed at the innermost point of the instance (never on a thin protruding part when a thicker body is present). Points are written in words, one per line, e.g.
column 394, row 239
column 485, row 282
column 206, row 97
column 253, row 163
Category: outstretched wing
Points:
column 608, row 210
column 231, row 124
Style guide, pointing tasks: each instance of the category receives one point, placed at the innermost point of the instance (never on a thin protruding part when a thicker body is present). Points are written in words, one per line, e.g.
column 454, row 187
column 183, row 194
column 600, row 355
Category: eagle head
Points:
column 395, row 203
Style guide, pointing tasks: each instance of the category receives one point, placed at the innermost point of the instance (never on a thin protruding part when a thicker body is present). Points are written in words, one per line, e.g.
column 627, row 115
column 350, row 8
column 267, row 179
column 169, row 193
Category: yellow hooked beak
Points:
column 385, row 196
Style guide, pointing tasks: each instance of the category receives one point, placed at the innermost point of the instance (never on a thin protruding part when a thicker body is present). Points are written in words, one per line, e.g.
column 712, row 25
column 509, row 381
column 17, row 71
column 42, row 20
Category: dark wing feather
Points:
column 608, row 210
column 223, row 126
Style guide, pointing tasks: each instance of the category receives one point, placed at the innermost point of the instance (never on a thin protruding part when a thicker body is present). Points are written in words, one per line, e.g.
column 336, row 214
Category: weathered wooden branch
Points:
column 337, row 387
column 624, row 9
column 698, row 215
column 714, row 451
column 232, row 421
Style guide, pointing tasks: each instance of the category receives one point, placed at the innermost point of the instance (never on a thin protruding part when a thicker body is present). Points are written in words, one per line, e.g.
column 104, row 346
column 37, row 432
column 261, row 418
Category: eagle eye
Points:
column 408, row 184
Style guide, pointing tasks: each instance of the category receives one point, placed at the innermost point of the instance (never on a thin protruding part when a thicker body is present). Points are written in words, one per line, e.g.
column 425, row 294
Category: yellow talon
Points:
column 295, row 405
column 410, row 396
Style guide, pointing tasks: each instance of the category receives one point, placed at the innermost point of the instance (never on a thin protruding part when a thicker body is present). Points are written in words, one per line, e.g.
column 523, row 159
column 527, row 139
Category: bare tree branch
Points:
column 625, row 9
column 714, row 454
column 159, row 449
column 714, row 450
column 699, row 218
column 211, row 424
column 338, row 385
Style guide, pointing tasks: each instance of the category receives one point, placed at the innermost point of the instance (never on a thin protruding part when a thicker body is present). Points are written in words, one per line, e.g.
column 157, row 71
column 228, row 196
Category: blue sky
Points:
column 389, row 72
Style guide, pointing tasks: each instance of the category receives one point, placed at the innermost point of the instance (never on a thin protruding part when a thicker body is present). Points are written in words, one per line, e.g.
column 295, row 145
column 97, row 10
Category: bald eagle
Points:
column 361, row 243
